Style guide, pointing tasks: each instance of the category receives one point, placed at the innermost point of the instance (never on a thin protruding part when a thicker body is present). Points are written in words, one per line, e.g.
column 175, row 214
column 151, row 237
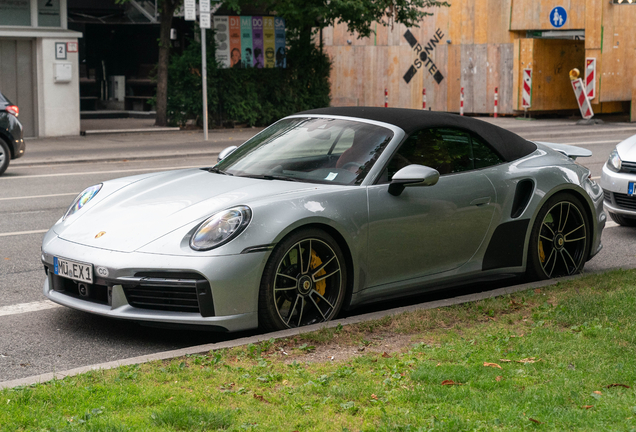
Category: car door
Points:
column 430, row 229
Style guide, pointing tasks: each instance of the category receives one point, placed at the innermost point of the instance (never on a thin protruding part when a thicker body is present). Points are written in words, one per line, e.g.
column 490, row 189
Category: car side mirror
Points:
column 226, row 152
column 412, row 175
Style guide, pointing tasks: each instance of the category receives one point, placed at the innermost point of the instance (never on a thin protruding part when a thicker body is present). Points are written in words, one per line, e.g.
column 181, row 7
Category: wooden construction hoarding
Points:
column 485, row 44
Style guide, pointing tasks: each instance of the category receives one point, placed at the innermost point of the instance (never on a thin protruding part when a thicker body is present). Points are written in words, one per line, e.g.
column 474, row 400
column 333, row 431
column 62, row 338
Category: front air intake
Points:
column 176, row 292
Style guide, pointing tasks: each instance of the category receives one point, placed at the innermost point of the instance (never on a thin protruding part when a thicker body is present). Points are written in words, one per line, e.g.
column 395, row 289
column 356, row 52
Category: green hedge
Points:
column 251, row 96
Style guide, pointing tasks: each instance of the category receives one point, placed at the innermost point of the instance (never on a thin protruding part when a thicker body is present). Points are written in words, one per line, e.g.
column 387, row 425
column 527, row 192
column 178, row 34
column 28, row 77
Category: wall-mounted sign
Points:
column 71, row 47
column 60, row 50
column 250, row 41
column 221, row 37
column 49, row 13
column 15, row 13
column 558, row 17
column 423, row 56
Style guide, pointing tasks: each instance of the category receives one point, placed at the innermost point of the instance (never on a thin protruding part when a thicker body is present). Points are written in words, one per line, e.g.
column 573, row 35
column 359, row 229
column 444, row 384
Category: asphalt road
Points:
column 38, row 337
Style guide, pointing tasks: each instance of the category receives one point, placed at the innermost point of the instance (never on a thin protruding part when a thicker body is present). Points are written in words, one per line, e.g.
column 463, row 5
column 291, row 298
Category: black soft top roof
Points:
column 509, row 145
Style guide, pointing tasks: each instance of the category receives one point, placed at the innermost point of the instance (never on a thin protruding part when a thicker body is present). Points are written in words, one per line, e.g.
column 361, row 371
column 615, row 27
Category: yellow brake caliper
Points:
column 315, row 263
column 541, row 253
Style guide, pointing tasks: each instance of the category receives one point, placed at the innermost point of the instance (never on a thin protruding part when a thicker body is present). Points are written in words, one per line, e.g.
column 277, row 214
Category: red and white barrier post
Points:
column 590, row 77
column 581, row 95
column 496, row 100
column 526, row 98
column 423, row 98
column 461, row 102
column 386, row 98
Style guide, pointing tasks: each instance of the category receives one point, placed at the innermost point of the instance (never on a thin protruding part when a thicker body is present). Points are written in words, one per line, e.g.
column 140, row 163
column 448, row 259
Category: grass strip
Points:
column 559, row 358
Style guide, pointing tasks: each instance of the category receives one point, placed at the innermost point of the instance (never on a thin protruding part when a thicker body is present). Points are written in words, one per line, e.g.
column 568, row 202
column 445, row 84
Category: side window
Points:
column 445, row 149
column 483, row 155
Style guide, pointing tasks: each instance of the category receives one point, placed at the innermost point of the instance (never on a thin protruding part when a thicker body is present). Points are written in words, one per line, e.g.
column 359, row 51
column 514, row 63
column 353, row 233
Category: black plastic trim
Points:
column 506, row 245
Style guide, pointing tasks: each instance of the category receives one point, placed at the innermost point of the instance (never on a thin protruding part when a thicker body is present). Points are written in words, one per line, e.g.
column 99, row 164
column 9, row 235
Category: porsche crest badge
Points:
column 99, row 234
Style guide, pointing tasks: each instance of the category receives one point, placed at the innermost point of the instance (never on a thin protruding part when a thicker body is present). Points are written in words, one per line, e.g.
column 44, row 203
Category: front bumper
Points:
column 20, row 147
column 220, row 291
column 616, row 199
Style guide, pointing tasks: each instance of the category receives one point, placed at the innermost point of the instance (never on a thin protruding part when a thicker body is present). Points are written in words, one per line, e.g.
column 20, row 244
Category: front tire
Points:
column 5, row 156
column 560, row 238
column 304, row 281
column 622, row 220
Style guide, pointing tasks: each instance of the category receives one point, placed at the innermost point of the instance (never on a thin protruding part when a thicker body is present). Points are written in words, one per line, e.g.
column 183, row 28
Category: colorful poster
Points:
column 281, row 54
column 246, row 40
column 221, row 37
column 235, row 42
column 269, row 41
column 257, row 41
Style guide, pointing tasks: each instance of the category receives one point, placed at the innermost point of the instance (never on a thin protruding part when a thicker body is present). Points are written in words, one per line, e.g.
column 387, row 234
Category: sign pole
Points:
column 204, row 76
column 204, row 23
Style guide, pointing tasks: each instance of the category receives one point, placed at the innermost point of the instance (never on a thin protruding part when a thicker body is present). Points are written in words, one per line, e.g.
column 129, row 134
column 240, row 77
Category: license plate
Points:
column 631, row 188
column 73, row 270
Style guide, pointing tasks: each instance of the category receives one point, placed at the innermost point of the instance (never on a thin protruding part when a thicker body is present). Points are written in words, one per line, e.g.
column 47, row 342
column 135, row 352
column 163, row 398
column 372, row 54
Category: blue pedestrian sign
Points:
column 558, row 17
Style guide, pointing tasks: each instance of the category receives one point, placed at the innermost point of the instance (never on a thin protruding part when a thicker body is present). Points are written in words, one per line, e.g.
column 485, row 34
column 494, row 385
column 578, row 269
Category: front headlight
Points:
column 614, row 162
column 220, row 228
column 82, row 199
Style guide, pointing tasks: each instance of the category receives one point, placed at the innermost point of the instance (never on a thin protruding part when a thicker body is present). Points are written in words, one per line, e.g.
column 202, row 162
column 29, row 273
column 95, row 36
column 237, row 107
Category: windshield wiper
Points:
column 218, row 171
column 272, row 177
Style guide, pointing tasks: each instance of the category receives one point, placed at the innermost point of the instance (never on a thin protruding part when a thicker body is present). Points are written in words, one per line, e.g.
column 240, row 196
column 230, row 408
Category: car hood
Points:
column 147, row 209
column 627, row 149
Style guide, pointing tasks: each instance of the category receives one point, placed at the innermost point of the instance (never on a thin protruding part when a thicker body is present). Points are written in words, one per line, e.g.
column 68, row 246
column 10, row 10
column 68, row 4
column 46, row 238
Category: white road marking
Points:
column 580, row 143
column 611, row 224
column 27, row 307
column 16, row 233
column 573, row 132
column 100, row 172
column 39, row 196
column 595, row 178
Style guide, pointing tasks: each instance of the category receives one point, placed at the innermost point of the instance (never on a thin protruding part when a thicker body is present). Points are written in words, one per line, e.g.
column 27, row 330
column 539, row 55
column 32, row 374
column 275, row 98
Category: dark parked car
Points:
column 11, row 141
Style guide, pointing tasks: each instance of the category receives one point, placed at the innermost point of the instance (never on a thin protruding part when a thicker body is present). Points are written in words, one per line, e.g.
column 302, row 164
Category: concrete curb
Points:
column 140, row 130
column 281, row 334
column 118, row 159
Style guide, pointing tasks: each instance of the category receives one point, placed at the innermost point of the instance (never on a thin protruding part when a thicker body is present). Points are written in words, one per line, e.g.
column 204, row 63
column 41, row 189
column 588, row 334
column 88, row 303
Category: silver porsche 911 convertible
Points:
column 324, row 210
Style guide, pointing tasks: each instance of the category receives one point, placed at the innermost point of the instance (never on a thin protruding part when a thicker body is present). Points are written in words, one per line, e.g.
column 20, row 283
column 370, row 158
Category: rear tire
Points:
column 5, row 156
column 623, row 220
column 304, row 281
column 560, row 238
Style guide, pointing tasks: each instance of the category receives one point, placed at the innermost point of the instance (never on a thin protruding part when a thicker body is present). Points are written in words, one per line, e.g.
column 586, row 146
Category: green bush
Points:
column 251, row 96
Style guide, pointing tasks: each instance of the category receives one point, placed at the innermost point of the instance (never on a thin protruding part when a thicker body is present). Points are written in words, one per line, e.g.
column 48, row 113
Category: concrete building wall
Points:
column 58, row 102
column 55, row 106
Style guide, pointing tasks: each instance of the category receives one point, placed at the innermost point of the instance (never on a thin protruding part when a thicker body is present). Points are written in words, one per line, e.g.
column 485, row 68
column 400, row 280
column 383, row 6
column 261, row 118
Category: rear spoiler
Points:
column 570, row 151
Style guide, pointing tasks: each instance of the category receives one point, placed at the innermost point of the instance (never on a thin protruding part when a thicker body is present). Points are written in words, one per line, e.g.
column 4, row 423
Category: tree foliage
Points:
column 250, row 96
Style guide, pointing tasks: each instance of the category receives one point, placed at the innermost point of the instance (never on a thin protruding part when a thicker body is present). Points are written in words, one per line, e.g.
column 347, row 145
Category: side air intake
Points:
column 522, row 197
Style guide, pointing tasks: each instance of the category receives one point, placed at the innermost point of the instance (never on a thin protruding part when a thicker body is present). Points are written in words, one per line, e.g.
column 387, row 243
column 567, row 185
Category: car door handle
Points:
column 480, row 201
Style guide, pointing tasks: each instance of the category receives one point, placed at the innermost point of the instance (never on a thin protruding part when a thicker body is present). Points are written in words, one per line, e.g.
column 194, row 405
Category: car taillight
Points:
column 12, row 109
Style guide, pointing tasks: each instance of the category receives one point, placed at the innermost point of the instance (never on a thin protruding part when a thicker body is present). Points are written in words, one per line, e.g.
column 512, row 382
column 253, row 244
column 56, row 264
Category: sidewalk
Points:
column 129, row 146
column 187, row 143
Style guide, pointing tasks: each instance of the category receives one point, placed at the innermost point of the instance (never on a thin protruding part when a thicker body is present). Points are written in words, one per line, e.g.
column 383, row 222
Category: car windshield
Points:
column 315, row 150
column 3, row 100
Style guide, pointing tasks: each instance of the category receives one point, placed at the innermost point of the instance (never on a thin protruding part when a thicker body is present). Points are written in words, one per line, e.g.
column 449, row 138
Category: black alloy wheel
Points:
column 304, row 281
column 5, row 156
column 560, row 238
